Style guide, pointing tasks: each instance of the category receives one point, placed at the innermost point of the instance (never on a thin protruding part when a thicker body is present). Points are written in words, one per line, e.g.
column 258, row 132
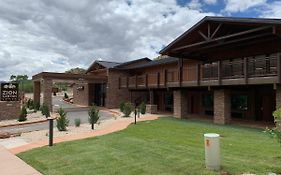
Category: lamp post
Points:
column 51, row 130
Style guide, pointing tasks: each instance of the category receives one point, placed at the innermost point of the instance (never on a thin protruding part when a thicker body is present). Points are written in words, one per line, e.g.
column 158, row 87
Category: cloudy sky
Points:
column 55, row 35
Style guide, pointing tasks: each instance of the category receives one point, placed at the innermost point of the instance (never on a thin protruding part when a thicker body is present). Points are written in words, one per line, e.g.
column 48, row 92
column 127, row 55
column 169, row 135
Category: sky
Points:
column 56, row 35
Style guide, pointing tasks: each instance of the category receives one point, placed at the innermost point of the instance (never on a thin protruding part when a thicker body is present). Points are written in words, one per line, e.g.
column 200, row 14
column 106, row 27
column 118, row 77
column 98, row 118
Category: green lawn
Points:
column 164, row 146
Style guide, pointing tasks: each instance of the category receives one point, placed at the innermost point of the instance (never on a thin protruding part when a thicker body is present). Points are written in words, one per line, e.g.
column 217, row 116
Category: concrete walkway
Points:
column 12, row 165
column 117, row 126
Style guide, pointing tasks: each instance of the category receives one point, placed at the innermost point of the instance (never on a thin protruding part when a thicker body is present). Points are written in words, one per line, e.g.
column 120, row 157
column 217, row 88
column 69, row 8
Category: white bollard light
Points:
column 212, row 151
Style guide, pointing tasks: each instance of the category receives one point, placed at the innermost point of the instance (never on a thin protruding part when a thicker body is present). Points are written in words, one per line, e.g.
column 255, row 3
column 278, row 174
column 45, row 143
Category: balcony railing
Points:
column 239, row 68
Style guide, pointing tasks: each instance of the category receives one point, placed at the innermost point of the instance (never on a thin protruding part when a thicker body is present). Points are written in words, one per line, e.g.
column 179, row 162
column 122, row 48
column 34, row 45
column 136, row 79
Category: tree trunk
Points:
column 92, row 126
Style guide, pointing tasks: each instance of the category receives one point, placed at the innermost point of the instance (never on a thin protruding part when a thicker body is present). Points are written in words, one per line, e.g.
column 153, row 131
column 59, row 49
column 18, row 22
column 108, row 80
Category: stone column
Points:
column 222, row 106
column 36, row 91
column 47, row 92
column 180, row 104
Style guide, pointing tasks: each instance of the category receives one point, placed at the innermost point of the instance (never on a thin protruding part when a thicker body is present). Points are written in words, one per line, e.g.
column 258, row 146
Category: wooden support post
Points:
column 198, row 73
column 165, row 77
column 158, row 79
column 245, row 70
column 180, row 65
column 146, row 80
column 279, row 68
column 119, row 82
column 127, row 82
column 219, row 72
column 136, row 82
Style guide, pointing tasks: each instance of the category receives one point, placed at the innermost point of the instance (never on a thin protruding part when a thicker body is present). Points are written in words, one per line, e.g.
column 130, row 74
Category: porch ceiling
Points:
column 67, row 77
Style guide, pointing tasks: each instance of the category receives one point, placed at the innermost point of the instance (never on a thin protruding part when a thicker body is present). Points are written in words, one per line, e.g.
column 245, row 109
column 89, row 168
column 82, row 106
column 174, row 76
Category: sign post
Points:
column 51, row 130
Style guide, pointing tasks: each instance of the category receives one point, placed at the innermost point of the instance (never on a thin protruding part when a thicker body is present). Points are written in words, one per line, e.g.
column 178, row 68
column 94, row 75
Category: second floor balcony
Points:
column 261, row 69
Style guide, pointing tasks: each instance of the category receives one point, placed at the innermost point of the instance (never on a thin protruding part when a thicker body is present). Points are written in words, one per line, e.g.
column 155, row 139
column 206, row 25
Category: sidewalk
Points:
column 12, row 165
column 114, row 127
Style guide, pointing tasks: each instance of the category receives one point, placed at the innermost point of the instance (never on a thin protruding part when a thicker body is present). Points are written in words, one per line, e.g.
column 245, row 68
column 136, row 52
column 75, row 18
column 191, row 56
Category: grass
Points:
column 164, row 146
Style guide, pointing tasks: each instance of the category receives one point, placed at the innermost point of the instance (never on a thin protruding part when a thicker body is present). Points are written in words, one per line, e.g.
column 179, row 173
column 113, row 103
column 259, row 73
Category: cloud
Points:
column 55, row 35
column 210, row 2
column 232, row 6
column 271, row 10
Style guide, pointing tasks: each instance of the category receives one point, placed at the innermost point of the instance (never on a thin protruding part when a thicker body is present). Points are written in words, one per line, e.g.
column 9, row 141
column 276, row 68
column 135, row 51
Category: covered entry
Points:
column 82, row 89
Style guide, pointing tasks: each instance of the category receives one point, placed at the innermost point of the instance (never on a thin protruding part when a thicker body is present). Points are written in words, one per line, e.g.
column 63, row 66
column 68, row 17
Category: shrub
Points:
column 128, row 109
column 30, row 104
column 45, row 110
column 142, row 108
column 276, row 131
column 93, row 115
column 77, row 122
column 23, row 114
column 121, row 106
column 66, row 96
column 36, row 106
column 62, row 121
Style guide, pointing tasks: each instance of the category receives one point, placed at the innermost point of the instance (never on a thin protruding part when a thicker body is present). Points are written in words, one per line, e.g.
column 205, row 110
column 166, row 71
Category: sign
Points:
column 9, row 92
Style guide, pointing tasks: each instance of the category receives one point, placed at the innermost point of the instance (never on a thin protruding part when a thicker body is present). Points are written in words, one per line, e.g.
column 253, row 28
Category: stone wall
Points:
column 222, row 106
column 114, row 95
column 47, row 93
column 180, row 104
column 9, row 110
column 81, row 96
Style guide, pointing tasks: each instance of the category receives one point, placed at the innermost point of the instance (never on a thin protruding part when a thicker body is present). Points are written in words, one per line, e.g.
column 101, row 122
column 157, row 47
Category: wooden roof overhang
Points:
column 218, row 34
column 68, row 77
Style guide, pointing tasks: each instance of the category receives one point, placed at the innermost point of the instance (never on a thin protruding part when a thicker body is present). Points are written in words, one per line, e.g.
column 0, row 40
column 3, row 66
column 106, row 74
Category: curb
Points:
column 26, row 123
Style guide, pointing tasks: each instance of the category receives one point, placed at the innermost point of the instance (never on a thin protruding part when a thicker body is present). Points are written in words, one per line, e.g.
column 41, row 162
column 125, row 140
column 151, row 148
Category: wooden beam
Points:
column 146, row 80
column 119, row 82
column 216, row 30
column 239, row 40
column 127, row 82
column 180, row 65
column 219, row 72
column 165, row 77
column 198, row 73
column 158, row 79
column 224, row 37
column 204, row 36
column 136, row 82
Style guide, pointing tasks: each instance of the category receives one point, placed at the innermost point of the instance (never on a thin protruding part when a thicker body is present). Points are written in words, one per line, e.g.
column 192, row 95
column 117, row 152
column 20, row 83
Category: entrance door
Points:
column 99, row 95
column 267, row 108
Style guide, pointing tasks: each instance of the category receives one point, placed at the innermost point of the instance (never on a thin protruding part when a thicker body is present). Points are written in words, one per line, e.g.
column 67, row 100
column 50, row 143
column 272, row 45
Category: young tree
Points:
column 93, row 116
column 23, row 114
column 62, row 121
column 45, row 110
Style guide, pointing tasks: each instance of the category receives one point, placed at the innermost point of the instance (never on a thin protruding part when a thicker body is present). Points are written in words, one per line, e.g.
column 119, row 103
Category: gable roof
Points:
column 162, row 61
column 126, row 64
column 105, row 64
column 253, row 22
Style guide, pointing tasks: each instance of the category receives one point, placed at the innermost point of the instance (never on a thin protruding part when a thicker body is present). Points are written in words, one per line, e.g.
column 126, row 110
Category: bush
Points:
column 30, row 104
column 36, row 106
column 142, row 108
column 23, row 114
column 45, row 110
column 66, row 96
column 121, row 106
column 77, row 122
column 128, row 109
column 62, row 121
column 276, row 131
column 93, row 115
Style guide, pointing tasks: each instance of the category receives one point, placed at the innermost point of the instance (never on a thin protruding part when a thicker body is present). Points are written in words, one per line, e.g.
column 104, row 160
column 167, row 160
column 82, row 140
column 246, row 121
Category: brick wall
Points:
column 222, row 106
column 9, row 110
column 180, row 104
column 81, row 97
column 47, row 92
column 114, row 95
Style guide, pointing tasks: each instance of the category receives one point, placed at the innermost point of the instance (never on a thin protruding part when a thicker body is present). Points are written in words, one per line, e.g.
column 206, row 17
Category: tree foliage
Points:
column 93, row 115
